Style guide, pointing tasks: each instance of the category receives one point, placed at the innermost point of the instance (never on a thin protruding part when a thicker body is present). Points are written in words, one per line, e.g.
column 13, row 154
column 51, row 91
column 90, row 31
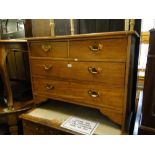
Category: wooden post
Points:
column 52, row 25
column 132, row 24
column 126, row 25
column 72, row 26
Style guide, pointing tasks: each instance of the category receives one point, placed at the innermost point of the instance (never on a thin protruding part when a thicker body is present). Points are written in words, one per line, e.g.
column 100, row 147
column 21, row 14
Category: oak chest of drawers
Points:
column 93, row 70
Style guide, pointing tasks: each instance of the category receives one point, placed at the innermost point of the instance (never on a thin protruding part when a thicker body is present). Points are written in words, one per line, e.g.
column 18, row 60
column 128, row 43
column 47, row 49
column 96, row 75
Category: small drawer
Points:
column 50, row 87
column 49, row 68
column 48, row 49
column 99, row 49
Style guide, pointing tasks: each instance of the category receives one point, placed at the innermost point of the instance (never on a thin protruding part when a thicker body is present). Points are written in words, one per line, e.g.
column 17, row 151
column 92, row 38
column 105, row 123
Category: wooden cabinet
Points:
column 148, row 108
column 93, row 70
column 48, row 117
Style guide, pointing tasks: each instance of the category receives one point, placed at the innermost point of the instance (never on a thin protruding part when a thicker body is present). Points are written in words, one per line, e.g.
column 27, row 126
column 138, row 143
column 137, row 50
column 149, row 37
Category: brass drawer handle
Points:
column 47, row 67
column 49, row 87
column 95, row 48
column 46, row 48
column 93, row 70
column 93, row 93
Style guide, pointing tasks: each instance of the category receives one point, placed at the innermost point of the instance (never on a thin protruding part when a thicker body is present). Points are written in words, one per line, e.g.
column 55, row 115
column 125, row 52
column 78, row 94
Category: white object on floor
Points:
column 80, row 125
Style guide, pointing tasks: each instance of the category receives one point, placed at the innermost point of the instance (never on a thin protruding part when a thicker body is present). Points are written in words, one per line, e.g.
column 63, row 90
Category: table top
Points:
column 13, row 40
column 54, row 113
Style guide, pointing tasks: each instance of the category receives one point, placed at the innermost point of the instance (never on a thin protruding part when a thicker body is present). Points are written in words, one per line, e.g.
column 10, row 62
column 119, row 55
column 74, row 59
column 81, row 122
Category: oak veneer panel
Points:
column 50, row 68
column 109, row 73
column 110, row 97
column 110, row 49
column 81, row 71
column 49, row 49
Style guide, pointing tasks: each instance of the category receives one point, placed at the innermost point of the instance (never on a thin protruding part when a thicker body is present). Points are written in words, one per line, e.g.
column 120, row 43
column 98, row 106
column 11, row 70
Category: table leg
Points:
column 5, row 77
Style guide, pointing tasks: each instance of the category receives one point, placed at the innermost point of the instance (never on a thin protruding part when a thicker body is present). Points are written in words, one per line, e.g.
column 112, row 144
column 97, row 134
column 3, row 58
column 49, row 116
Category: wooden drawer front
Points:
column 108, row 73
column 51, row 87
column 49, row 49
column 99, row 49
column 98, row 95
column 105, row 72
column 31, row 128
column 50, row 68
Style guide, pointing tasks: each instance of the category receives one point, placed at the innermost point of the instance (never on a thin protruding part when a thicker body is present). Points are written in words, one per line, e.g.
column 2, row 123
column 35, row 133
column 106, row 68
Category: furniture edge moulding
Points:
column 127, row 113
column 103, row 34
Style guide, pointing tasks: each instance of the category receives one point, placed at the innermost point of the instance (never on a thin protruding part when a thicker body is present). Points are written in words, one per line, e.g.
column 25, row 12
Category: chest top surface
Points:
column 78, row 36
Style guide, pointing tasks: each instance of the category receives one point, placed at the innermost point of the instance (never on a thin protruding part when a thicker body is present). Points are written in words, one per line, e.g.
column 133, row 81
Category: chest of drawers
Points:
column 93, row 70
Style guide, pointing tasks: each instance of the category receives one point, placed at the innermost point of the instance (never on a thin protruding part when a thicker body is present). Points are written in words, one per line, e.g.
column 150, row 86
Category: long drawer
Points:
column 87, row 93
column 54, row 49
column 105, row 72
column 99, row 49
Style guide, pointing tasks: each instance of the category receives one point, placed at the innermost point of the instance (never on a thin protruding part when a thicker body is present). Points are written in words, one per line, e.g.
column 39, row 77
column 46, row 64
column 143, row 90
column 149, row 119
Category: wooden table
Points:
column 11, row 117
column 50, row 115
column 6, row 46
column 10, row 109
